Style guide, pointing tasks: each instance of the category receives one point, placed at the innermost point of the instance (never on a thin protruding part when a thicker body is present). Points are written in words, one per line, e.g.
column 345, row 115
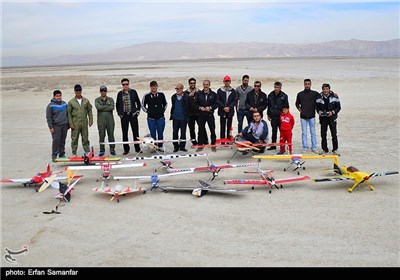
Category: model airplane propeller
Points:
column 266, row 179
column 212, row 168
column 296, row 160
column 203, row 189
column 87, row 158
column 117, row 191
column 352, row 173
column 44, row 177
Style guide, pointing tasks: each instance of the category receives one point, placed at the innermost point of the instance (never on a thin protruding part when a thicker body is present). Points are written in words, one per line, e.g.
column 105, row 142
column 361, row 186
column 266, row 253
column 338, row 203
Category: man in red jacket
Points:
column 286, row 127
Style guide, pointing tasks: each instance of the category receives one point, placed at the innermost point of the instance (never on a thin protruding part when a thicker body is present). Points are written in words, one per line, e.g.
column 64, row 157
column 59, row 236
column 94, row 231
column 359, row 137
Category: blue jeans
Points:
column 311, row 124
column 241, row 113
column 156, row 127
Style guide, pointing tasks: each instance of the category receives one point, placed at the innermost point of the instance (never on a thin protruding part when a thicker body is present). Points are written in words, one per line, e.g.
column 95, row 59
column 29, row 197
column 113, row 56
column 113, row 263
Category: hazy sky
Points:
column 45, row 29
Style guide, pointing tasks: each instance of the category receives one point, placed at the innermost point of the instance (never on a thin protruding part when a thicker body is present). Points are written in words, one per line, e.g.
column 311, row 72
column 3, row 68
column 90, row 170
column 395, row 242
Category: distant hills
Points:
column 153, row 51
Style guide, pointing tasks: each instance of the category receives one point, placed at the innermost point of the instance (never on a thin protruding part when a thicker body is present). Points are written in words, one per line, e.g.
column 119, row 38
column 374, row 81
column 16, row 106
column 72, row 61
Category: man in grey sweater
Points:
column 241, row 109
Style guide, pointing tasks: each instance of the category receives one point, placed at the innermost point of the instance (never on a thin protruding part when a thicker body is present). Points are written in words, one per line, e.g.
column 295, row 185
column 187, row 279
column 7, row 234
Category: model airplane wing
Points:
column 71, row 186
column 275, row 157
column 384, row 173
column 47, row 182
column 18, row 180
column 149, row 177
column 91, row 159
column 167, row 157
column 246, row 182
column 294, row 179
column 334, row 179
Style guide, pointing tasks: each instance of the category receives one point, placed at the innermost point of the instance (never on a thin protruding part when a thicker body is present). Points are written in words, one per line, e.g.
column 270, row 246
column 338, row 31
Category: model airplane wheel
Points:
column 298, row 172
column 37, row 190
column 144, row 192
column 349, row 190
column 252, row 187
column 118, row 200
column 284, row 169
column 371, row 188
column 281, row 186
column 304, row 168
column 270, row 191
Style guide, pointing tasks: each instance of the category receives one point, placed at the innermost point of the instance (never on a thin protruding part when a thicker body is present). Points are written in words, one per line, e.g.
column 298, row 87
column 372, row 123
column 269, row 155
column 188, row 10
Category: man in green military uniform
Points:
column 80, row 118
column 105, row 119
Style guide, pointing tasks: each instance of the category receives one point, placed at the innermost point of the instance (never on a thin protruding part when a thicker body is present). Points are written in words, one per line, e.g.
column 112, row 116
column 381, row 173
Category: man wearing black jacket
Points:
column 207, row 101
column 228, row 99
column 277, row 99
column 256, row 101
column 128, row 109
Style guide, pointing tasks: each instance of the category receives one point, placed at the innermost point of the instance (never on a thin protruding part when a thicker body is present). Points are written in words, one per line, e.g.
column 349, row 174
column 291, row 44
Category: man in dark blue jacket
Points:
column 179, row 116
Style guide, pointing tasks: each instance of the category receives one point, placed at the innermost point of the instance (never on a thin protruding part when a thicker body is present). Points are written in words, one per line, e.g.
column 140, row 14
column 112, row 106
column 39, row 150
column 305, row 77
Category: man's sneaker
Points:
column 176, row 150
column 323, row 153
column 61, row 156
column 112, row 152
column 280, row 153
column 271, row 148
column 125, row 153
column 199, row 150
column 53, row 159
column 304, row 151
column 101, row 154
column 335, row 152
column 290, row 152
column 314, row 151
column 183, row 150
column 214, row 149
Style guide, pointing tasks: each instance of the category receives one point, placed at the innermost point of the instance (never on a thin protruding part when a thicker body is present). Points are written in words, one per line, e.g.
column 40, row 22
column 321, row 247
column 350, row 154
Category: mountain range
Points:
column 155, row 51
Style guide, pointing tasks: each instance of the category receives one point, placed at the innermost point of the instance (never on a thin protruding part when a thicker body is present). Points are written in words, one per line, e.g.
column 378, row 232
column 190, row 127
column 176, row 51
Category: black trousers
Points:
column 250, row 137
column 192, row 128
column 133, row 121
column 225, row 126
column 275, row 126
column 176, row 126
column 203, row 119
column 331, row 123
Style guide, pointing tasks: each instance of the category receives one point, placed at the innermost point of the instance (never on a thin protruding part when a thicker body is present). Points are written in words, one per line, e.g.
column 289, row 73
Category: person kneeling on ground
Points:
column 256, row 132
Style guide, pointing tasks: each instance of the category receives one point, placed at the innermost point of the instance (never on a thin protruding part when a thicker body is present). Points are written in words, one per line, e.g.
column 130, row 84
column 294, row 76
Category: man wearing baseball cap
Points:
column 105, row 119
column 228, row 99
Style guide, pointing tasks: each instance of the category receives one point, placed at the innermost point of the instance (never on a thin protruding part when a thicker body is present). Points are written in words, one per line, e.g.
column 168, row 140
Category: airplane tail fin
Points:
column 48, row 167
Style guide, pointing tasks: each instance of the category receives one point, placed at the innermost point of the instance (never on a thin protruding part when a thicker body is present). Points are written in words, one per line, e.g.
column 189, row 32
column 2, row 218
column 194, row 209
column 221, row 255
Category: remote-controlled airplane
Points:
column 219, row 143
column 203, row 189
column 266, row 179
column 44, row 177
column 245, row 147
column 154, row 179
column 352, row 173
column 106, row 167
column 87, row 158
column 296, row 160
column 64, row 194
column 166, row 160
column 147, row 143
column 212, row 168
column 116, row 191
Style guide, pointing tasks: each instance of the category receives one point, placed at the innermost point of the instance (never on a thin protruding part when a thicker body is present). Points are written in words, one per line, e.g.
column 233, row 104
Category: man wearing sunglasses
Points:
column 128, row 108
column 105, row 119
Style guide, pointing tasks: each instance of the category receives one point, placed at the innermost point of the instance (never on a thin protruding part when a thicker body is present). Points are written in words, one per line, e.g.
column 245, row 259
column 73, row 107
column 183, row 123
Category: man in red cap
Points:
column 228, row 99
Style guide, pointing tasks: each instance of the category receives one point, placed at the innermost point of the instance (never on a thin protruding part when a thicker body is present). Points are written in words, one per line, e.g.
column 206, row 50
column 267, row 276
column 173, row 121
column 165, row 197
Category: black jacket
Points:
column 330, row 103
column 276, row 103
column 305, row 100
column 154, row 105
column 261, row 103
column 193, row 108
column 231, row 102
column 212, row 101
column 135, row 102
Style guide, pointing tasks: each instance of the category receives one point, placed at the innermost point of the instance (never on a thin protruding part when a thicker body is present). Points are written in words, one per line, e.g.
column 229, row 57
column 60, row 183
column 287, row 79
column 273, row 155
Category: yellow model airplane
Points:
column 352, row 173
column 296, row 160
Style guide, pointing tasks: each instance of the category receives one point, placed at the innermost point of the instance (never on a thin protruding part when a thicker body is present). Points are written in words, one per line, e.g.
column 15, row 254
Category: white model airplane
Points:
column 148, row 143
column 64, row 194
column 166, row 160
column 106, row 167
column 203, row 189
column 117, row 191
column 154, row 179
column 212, row 168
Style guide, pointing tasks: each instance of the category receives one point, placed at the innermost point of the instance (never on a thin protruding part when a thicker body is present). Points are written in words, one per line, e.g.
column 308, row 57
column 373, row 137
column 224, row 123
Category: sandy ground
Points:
column 303, row 224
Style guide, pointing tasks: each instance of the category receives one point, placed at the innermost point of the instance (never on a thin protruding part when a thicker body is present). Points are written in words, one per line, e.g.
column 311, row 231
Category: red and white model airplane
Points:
column 44, row 177
column 88, row 158
column 212, row 168
column 106, row 167
column 266, row 179
column 117, row 191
